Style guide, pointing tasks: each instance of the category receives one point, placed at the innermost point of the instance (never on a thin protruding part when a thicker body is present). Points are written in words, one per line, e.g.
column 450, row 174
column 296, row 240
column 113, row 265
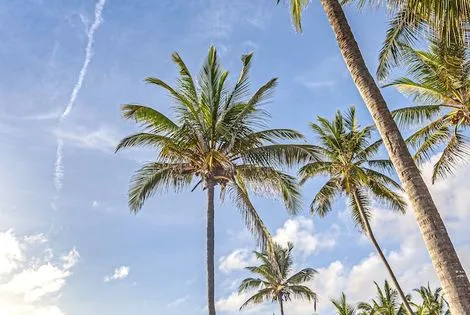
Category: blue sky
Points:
column 79, row 251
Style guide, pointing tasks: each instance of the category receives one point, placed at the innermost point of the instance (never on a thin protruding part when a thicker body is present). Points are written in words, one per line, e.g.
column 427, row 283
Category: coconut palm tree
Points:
column 275, row 281
column 446, row 262
column 217, row 137
column 439, row 81
column 346, row 158
column 386, row 303
column 433, row 302
column 342, row 307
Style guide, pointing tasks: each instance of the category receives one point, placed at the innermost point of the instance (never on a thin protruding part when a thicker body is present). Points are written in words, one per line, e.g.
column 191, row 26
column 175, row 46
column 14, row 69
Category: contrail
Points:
column 88, row 55
column 58, row 166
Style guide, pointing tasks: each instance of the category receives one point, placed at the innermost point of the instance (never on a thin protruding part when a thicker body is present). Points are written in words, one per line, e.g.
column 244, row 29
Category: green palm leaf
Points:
column 275, row 280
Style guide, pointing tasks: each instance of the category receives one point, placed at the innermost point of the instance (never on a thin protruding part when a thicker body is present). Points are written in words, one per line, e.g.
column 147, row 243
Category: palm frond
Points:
column 456, row 151
column 388, row 197
column 316, row 168
column 278, row 155
column 410, row 116
column 381, row 165
column 250, row 284
column 303, row 275
column 426, row 93
column 375, row 176
column 402, row 30
column 252, row 220
column 241, row 87
column 258, row 298
column 152, row 177
column 144, row 139
column 268, row 181
column 296, row 9
column 324, row 198
column 149, row 118
column 301, row 292
column 342, row 306
column 360, row 202
column 186, row 81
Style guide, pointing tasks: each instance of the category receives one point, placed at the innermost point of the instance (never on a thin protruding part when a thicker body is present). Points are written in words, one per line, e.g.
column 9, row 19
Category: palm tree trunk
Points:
column 371, row 235
column 281, row 305
column 453, row 278
column 210, row 247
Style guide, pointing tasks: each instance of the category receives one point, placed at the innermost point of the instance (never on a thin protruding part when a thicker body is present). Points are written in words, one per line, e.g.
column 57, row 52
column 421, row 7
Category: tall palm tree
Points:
column 218, row 137
column 439, row 81
column 275, row 281
column 446, row 262
column 342, row 307
column 346, row 158
column 433, row 302
column 386, row 303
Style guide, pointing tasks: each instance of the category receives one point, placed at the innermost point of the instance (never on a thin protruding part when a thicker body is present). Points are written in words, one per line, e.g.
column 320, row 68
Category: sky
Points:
column 68, row 243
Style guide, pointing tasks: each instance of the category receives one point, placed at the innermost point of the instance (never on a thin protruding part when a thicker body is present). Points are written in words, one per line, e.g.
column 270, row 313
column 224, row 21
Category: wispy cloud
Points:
column 103, row 139
column 59, row 167
column 118, row 274
column 325, row 75
column 220, row 17
column 178, row 301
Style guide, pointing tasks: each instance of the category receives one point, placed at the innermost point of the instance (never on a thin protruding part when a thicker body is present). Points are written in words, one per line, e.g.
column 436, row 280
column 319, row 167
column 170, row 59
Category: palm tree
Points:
column 438, row 243
column 217, row 136
column 342, row 306
column 275, row 280
column 346, row 158
column 439, row 81
column 433, row 302
column 386, row 303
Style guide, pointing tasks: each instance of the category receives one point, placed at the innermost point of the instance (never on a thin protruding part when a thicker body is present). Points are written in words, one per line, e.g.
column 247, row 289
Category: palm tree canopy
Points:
column 414, row 20
column 275, row 279
column 410, row 21
column 218, row 134
column 346, row 158
column 387, row 302
column 433, row 302
column 439, row 82
column 342, row 307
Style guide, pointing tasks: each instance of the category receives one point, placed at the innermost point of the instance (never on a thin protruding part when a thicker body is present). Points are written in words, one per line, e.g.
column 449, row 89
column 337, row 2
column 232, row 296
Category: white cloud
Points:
column 11, row 254
column 301, row 232
column 233, row 302
column 29, row 285
column 118, row 274
column 237, row 260
column 36, row 239
column 95, row 204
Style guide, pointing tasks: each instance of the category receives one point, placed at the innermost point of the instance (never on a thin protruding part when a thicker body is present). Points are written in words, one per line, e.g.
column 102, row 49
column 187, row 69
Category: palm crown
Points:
column 433, row 302
column 439, row 81
column 342, row 307
column 218, row 136
column 345, row 157
column 386, row 303
column 275, row 281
